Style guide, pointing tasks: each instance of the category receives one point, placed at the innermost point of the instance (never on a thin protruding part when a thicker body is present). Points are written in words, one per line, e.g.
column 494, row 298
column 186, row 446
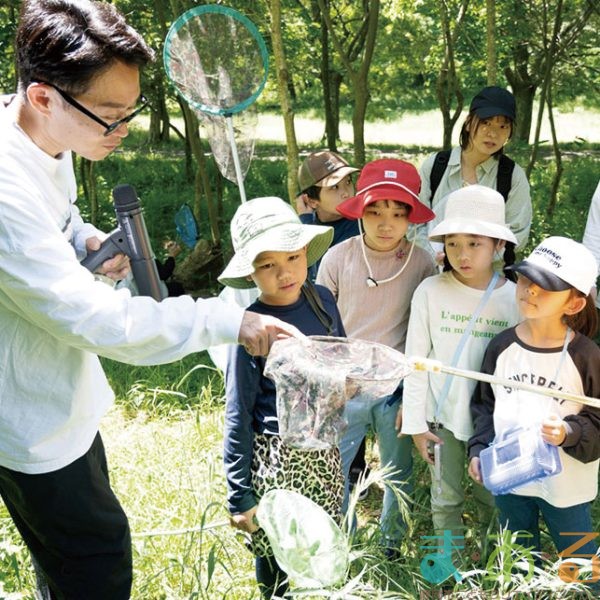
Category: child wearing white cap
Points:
column 452, row 319
column 550, row 347
column 273, row 250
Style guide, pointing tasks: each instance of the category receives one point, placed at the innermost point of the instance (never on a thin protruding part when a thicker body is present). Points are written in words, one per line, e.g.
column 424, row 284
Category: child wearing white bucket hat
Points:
column 452, row 319
column 549, row 347
column 273, row 250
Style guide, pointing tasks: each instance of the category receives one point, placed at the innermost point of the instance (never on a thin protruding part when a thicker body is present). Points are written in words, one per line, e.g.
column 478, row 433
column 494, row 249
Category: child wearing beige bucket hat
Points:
column 453, row 317
column 272, row 250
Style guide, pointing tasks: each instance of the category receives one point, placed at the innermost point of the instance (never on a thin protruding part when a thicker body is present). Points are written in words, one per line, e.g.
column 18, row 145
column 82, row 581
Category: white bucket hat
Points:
column 269, row 224
column 476, row 210
column 559, row 263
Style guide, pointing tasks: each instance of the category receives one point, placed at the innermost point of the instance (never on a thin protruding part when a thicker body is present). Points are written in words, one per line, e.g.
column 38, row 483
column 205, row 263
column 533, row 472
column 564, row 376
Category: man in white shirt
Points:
column 78, row 65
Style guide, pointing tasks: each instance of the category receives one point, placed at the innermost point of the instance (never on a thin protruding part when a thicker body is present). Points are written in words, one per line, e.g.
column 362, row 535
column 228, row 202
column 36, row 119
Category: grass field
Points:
column 423, row 128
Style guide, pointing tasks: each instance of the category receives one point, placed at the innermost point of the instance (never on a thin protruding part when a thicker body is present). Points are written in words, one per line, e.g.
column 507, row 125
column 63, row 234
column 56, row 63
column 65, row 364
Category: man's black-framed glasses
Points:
column 108, row 127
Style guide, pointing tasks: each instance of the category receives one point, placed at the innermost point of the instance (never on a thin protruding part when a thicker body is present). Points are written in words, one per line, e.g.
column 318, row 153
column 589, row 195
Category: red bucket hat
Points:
column 387, row 179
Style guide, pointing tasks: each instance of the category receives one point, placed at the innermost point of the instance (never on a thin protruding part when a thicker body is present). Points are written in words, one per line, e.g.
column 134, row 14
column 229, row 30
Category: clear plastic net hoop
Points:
column 217, row 59
column 314, row 378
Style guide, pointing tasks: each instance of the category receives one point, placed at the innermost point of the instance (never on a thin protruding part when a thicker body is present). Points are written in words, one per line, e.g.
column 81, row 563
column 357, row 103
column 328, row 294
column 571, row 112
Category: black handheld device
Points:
column 131, row 238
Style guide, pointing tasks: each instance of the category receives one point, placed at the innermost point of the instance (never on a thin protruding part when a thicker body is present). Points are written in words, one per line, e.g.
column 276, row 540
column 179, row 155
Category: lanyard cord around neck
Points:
column 563, row 354
column 461, row 344
column 371, row 281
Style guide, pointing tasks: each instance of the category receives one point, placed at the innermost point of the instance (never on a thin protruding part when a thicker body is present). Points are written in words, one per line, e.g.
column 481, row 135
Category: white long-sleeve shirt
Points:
column 440, row 311
column 55, row 318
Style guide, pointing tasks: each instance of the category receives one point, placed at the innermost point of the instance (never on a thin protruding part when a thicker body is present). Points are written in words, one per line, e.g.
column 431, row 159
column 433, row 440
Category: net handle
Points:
column 435, row 366
column 236, row 158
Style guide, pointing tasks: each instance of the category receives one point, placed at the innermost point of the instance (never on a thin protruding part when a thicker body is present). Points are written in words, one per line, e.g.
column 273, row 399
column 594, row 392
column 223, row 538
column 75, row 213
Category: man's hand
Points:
column 245, row 521
column 116, row 268
column 421, row 442
column 258, row 332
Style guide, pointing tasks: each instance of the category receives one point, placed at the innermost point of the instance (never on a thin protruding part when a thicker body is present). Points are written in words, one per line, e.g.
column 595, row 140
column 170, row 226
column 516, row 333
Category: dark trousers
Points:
column 271, row 579
column 522, row 513
column 74, row 527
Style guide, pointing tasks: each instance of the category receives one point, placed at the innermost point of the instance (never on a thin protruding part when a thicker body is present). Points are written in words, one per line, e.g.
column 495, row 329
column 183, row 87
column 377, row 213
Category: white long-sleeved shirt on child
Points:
column 440, row 311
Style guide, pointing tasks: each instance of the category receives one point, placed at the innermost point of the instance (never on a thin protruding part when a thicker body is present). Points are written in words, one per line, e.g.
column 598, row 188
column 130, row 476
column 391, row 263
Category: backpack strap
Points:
column 312, row 296
column 437, row 171
column 506, row 167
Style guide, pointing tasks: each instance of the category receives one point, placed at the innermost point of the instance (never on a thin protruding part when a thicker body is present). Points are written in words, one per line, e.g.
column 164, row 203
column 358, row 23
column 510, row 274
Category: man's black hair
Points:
column 69, row 43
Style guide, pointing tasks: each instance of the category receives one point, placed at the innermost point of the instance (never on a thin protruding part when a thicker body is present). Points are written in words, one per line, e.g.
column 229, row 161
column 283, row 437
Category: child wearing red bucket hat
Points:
column 373, row 276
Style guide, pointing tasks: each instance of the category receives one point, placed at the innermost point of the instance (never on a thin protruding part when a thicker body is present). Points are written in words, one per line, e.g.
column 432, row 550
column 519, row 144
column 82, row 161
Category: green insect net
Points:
column 218, row 62
column 307, row 543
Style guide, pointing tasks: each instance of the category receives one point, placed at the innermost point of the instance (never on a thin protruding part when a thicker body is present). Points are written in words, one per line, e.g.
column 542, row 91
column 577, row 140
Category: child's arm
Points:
column 423, row 443
column 578, row 435
column 482, row 413
column 245, row 521
column 474, row 469
column 416, row 385
column 327, row 274
column 554, row 430
column 242, row 387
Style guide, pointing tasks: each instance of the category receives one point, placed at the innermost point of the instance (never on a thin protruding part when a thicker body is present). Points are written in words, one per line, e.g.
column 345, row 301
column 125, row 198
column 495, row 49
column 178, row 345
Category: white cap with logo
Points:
column 559, row 263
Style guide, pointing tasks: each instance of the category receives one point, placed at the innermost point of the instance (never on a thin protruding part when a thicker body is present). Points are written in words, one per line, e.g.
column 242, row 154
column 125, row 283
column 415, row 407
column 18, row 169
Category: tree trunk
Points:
column 557, row 157
column 363, row 43
column 159, row 119
column 286, row 106
column 336, row 83
column 524, row 94
column 361, row 84
column 90, row 190
column 550, row 53
column 361, row 99
column 202, row 186
column 492, row 64
column 448, row 86
column 524, row 88
column 331, row 118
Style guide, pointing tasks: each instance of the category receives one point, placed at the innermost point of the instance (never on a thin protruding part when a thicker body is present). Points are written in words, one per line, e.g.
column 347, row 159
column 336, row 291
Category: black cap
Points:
column 494, row 101
column 545, row 279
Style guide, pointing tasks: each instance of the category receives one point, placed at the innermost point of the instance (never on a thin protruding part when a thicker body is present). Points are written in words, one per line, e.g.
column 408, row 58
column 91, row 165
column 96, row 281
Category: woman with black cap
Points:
column 479, row 158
